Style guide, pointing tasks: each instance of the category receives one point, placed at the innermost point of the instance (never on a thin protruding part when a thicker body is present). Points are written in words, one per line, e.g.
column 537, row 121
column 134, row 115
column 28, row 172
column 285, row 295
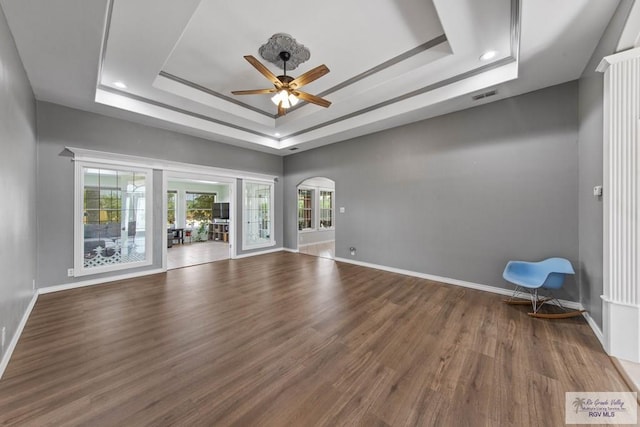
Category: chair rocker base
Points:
column 537, row 301
column 565, row 315
column 512, row 301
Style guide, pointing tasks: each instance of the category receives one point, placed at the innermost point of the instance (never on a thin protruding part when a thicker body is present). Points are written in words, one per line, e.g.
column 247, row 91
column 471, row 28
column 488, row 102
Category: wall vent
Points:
column 484, row 95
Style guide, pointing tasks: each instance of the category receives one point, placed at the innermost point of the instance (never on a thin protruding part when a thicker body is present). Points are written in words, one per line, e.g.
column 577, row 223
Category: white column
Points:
column 621, row 299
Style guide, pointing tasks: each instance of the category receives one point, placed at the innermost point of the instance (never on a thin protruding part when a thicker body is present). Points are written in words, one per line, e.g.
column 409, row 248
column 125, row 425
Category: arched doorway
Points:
column 316, row 217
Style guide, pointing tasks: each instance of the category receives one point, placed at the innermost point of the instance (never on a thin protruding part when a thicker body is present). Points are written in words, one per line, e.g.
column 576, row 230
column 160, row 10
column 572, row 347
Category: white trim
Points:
column 230, row 182
column 620, row 327
column 623, row 304
column 621, row 240
column 315, row 196
column 595, row 328
column 478, row 286
column 607, row 61
column 272, row 224
column 316, row 230
column 317, row 189
column 165, row 209
column 79, row 187
column 316, row 243
column 167, row 165
column 259, row 246
column 250, row 254
column 293, row 251
column 16, row 336
column 92, row 282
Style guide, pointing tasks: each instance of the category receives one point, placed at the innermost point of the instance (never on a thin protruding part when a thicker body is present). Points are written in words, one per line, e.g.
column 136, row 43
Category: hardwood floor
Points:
column 289, row 339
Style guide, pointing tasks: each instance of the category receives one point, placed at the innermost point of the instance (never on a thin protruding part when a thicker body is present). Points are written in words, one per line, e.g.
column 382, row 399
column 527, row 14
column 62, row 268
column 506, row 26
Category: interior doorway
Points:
column 316, row 217
column 198, row 220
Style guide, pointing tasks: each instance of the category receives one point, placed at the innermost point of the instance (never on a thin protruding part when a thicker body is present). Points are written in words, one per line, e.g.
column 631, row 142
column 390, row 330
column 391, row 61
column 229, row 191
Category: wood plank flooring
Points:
column 291, row 339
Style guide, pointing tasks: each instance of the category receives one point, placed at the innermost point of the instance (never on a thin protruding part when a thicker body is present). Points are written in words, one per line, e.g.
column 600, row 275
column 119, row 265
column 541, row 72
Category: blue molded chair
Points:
column 548, row 275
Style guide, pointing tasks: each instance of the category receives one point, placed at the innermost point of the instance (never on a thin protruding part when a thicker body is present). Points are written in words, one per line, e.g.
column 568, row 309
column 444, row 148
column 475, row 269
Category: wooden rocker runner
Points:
column 548, row 275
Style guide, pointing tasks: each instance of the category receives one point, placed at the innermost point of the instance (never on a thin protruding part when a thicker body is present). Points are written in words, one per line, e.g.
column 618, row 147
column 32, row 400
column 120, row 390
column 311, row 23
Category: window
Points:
column 326, row 209
column 113, row 208
column 172, row 199
column 257, row 215
column 315, row 208
column 199, row 208
column 305, row 209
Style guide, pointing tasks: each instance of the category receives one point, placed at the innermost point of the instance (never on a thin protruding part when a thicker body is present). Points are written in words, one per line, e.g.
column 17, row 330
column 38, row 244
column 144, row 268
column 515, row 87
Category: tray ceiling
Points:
column 391, row 62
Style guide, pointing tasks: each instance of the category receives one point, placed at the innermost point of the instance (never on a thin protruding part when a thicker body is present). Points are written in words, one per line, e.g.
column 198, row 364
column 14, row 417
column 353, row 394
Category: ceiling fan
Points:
column 286, row 88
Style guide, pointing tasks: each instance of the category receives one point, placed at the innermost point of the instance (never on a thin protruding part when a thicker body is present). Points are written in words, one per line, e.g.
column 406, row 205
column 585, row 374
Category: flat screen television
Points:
column 221, row 210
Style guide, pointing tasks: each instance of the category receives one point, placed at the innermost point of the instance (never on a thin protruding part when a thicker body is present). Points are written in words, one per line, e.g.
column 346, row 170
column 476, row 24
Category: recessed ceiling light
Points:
column 277, row 134
column 120, row 85
column 490, row 54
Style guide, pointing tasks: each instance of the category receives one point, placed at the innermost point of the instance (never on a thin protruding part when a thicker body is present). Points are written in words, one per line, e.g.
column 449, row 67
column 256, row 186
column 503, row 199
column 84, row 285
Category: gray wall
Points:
column 458, row 195
column 60, row 126
column 590, row 160
column 18, row 183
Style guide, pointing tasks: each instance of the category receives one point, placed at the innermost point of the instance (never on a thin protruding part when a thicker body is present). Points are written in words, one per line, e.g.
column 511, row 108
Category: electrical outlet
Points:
column 69, row 272
column 4, row 335
column 352, row 250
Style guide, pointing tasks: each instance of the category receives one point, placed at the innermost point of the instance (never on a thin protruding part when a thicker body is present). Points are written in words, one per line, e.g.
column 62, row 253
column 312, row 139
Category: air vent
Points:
column 293, row 149
column 484, row 95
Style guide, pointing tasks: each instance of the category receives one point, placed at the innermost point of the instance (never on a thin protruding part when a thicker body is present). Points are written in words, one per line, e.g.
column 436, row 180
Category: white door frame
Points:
column 167, row 175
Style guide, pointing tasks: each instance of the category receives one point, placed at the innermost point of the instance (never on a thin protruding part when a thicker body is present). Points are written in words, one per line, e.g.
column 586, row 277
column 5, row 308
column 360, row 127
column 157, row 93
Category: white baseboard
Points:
column 74, row 285
column 595, row 328
column 315, row 243
column 269, row 251
column 487, row 288
column 293, row 251
column 16, row 336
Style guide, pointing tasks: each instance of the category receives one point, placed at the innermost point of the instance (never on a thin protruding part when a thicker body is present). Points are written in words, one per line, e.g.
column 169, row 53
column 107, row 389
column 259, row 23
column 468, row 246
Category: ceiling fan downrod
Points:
column 285, row 56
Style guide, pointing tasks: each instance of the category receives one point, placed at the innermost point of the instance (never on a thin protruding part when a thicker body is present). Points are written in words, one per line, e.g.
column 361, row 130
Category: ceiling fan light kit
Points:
column 287, row 99
column 286, row 88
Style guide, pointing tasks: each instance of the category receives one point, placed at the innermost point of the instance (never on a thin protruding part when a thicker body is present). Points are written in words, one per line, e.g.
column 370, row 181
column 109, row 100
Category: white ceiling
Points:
column 392, row 61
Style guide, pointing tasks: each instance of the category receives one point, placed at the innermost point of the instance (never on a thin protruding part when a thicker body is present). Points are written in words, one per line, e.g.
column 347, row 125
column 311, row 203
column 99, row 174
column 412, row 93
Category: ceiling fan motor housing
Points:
column 285, row 79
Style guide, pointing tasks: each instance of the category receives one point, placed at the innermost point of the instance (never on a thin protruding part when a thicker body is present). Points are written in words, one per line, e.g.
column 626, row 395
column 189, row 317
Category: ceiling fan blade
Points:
column 309, row 76
column 311, row 98
column 264, row 70
column 281, row 110
column 254, row 91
